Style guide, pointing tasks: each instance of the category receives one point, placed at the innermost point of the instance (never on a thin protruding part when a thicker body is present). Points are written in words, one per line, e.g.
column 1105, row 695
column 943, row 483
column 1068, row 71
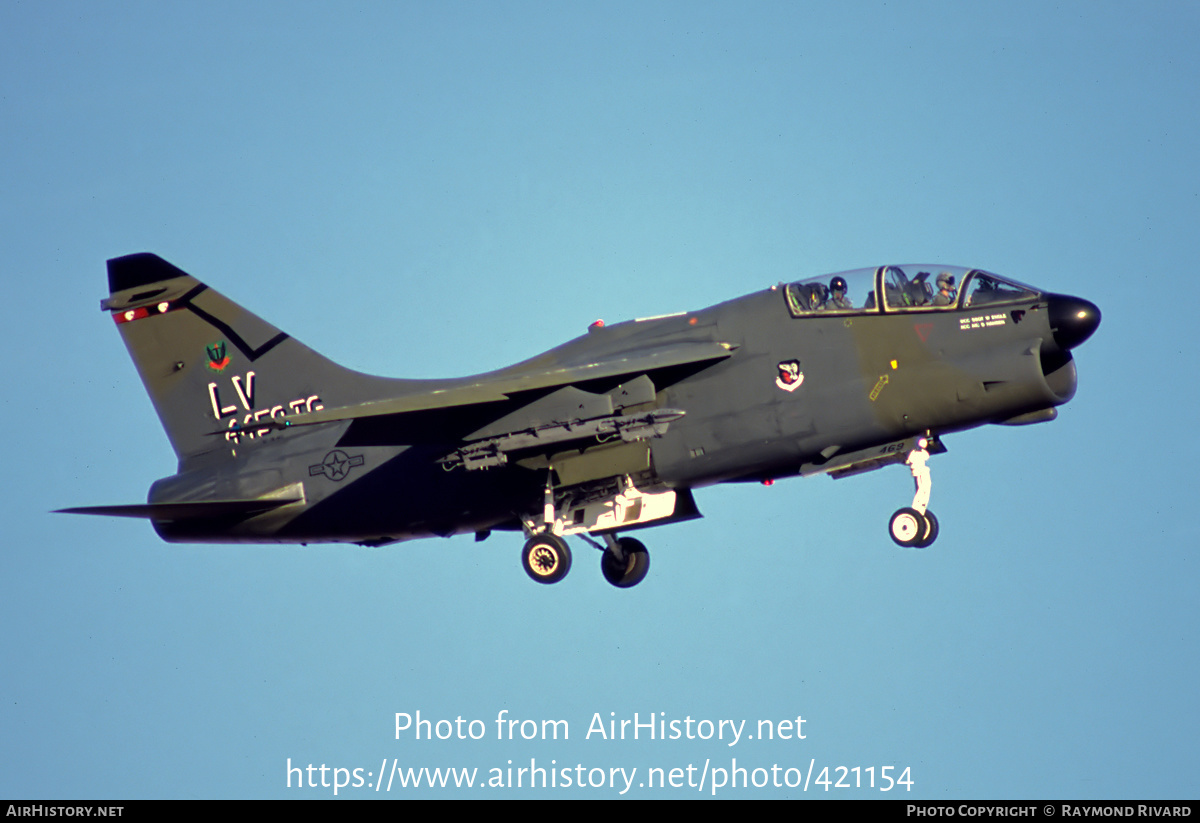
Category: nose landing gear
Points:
column 916, row 527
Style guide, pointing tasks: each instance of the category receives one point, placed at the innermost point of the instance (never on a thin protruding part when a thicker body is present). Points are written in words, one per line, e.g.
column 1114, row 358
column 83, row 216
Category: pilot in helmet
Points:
column 946, row 292
column 838, row 300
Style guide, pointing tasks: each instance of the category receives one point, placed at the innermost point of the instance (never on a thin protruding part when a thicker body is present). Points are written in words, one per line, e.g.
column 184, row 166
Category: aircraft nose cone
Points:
column 1072, row 319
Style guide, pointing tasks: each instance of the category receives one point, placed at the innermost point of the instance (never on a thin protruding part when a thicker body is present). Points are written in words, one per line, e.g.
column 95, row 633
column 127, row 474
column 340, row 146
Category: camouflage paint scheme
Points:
column 607, row 432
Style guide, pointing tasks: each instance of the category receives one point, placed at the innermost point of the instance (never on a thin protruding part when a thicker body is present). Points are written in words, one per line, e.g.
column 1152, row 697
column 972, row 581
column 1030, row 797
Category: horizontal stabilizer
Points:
column 186, row 511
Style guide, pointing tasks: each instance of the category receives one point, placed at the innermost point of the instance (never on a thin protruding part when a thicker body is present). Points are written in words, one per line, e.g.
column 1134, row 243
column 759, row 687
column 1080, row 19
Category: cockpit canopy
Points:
column 904, row 288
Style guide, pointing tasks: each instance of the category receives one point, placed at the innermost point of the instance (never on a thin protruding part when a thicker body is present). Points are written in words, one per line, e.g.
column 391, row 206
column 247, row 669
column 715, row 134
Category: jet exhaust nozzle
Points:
column 1072, row 320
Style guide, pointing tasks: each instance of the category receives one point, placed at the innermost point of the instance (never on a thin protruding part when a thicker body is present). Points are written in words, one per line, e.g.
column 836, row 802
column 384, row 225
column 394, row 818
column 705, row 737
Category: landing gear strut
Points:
column 916, row 527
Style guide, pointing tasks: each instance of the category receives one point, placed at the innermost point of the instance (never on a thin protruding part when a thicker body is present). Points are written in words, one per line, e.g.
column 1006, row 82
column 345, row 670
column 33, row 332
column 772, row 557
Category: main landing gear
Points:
column 915, row 527
column 624, row 562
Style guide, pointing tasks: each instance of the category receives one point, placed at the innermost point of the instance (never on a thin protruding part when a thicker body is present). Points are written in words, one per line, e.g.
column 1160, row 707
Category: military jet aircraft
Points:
column 607, row 433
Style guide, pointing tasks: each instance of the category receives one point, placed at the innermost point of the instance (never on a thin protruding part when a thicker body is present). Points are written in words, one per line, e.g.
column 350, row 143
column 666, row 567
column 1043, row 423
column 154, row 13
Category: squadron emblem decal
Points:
column 217, row 359
column 790, row 377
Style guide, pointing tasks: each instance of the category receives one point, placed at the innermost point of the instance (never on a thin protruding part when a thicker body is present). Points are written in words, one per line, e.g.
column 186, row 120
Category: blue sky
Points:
column 438, row 189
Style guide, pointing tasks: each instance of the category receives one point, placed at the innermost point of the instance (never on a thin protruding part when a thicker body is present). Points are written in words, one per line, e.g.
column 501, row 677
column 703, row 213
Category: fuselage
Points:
column 797, row 379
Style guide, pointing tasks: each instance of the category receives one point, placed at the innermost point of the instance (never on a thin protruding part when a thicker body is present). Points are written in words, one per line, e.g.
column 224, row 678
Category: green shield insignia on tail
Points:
column 217, row 359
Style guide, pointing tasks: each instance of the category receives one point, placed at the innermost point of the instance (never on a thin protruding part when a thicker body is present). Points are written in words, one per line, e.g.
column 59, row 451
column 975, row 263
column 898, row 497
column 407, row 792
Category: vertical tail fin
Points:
column 209, row 364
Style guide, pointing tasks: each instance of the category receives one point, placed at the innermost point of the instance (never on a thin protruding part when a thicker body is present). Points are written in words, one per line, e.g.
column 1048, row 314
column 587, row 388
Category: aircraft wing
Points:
column 505, row 402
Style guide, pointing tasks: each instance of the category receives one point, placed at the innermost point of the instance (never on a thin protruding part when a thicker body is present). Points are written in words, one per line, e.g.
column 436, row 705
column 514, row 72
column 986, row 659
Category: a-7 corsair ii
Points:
column 609, row 432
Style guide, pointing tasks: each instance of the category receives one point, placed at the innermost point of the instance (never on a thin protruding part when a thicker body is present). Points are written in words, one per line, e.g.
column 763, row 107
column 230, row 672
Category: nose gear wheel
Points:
column 908, row 527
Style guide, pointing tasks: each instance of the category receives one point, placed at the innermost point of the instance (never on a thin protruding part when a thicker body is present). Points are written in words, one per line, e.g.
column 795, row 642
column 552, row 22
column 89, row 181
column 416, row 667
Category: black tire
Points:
column 546, row 558
column 931, row 532
column 908, row 528
column 634, row 568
